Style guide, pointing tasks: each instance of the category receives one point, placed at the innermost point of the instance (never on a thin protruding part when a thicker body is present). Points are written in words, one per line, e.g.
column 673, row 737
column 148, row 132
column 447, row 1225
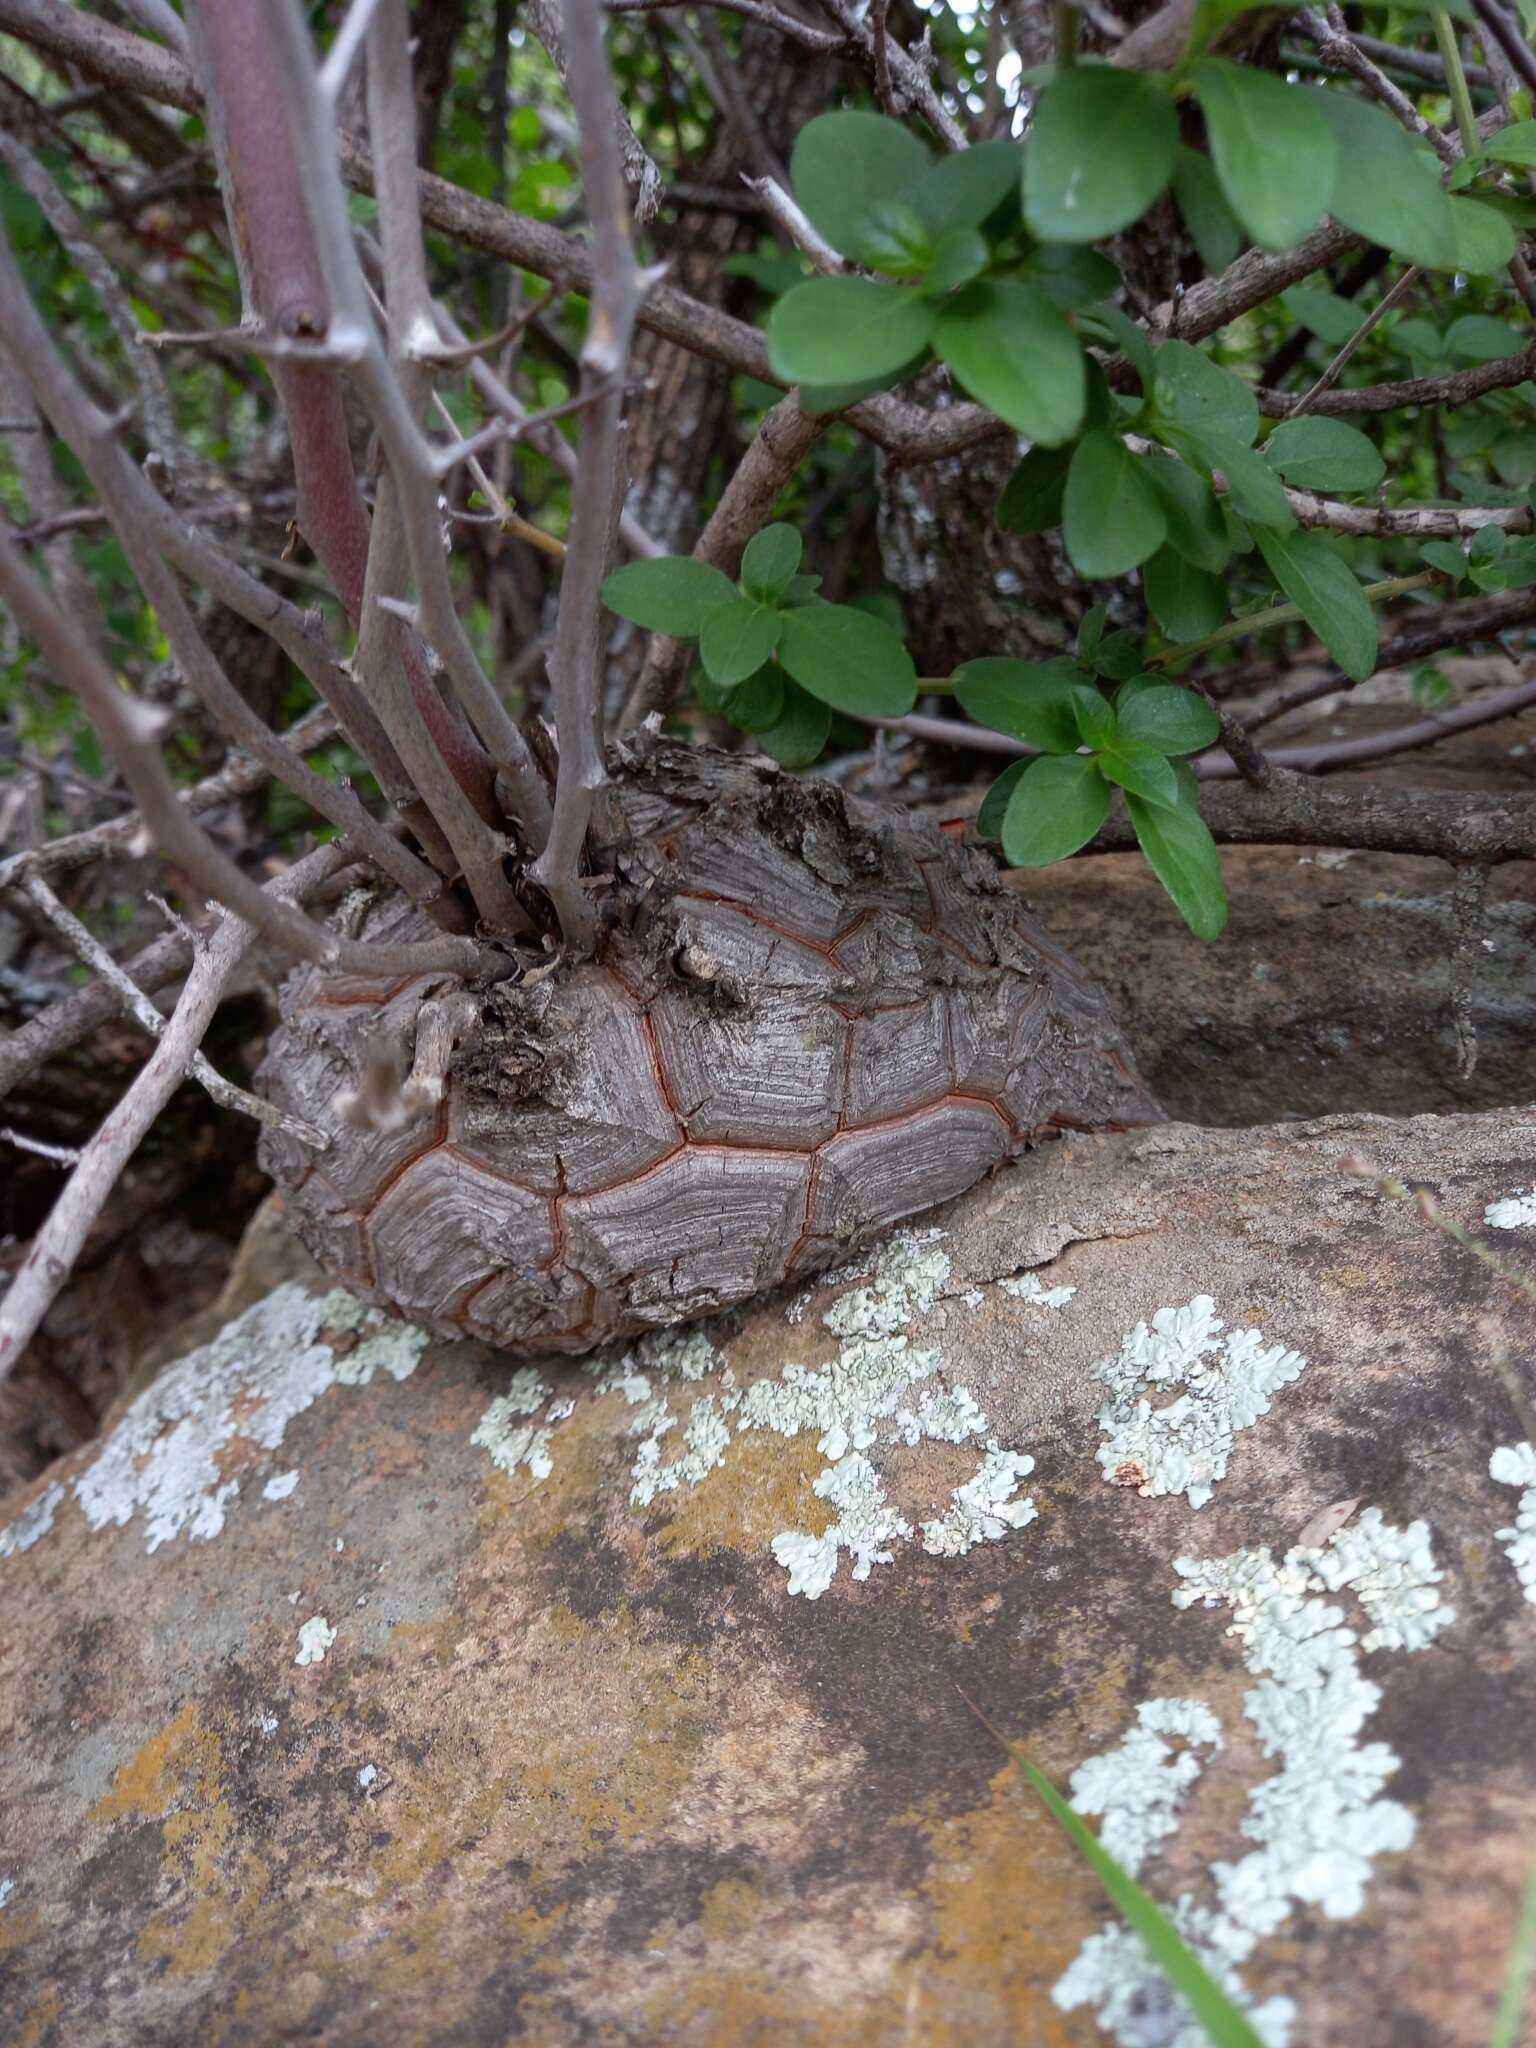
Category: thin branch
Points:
column 123, row 490
column 54, row 1250
column 313, row 130
column 1340, row 52
column 1417, row 522
column 575, row 660
column 1509, row 39
column 786, row 214
column 825, row 41
column 137, row 1006
column 1335, row 369
column 1459, row 388
column 129, row 733
column 910, row 80
column 544, row 17
column 239, row 775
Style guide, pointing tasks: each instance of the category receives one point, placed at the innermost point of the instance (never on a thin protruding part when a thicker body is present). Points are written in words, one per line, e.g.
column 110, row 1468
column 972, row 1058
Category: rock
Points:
column 363, row 1689
column 1328, row 992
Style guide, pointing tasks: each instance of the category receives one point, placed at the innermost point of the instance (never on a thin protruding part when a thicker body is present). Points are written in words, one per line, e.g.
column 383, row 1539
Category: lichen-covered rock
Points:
column 810, row 1019
column 360, row 1688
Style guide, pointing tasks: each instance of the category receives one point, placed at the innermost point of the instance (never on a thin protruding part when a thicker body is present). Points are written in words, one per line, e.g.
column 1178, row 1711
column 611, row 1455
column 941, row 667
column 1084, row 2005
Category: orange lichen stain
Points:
column 18, row 1924
column 764, row 1487
column 1011, row 1908
column 39, row 2022
column 178, row 1776
column 728, row 1909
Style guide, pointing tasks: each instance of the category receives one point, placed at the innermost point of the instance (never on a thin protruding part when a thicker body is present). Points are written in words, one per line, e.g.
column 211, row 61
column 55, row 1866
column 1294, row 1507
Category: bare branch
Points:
column 129, row 734
column 640, row 172
column 137, row 1006
column 784, row 213
column 1415, row 522
column 1340, row 52
column 1458, row 388
column 58, row 1244
column 575, row 661
column 788, row 25
column 1325, row 383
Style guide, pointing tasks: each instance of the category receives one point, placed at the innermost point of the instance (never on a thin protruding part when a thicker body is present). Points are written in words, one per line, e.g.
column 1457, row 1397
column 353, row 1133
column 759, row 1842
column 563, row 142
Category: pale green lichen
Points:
column 1140, row 1785
column 984, row 1509
column 1515, row 1465
column 315, row 1638
column 1318, row 1822
column 1514, row 1213
column 164, row 1462
column 1183, row 1445
column 507, row 1437
column 1031, row 1289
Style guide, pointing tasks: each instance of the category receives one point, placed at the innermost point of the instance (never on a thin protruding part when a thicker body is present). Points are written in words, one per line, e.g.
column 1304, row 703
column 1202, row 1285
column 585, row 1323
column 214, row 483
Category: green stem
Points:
column 935, row 686
column 1281, row 615
column 1066, row 35
column 1456, row 78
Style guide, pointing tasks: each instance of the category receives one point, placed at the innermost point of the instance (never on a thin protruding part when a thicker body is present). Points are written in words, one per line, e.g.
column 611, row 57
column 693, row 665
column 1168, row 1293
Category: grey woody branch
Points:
column 129, row 733
column 576, row 658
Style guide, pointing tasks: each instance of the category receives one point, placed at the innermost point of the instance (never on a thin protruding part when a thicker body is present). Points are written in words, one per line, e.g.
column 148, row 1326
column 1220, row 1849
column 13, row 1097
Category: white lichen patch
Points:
column 504, row 1432
column 1032, row 1290
column 706, row 1439
column 1140, row 1785
column 1317, row 1823
column 280, row 1486
column 984, row 1508
column 7, row 1891
column 33, row 1523
column 1183, row 1445
column 1515, row 1465
column 1514, row 1213
column 315, row 1638
column 164, row 1461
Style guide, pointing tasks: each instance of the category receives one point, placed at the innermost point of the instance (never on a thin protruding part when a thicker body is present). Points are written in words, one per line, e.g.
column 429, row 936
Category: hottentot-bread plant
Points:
column 607, row 1027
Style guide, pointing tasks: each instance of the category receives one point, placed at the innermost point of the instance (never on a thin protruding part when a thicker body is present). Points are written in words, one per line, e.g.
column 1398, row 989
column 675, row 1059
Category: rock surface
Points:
column 363, row 1689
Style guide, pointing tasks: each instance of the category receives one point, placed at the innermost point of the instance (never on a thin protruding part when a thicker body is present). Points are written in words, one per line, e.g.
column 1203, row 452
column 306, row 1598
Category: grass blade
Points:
column 1224, row 2024
column 1506, row 2021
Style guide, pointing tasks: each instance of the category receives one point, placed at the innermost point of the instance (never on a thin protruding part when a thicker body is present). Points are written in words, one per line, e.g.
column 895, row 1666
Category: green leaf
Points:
column 758, row 704
column 1386, row 186
column 1122, row 331
column 1057, row 805
column 801, row 732
column 737, row 639
column 1012, row 349
column 1095, row 716
column 1324, row 455
column 1031, row 499
column 1433, row 689
column 989, row 819
column 1101, row 149
column 1324, row 314
column 1112, row 516
column 832, row 330
column 1090, row 632
column 1186, row 601
column 1487, row 544
column 1446, row 557
column 1071, row 275
column 1254, row 489
column 1183, row 856
column 845, row 165
column 1324, row 589
column 1222, row 2022
column 1273, row 150
column 1485, row 242
column 1190, row 391
column 820, row 398
column 1141, row 770
column 1212, row 228
column 1476, row 338
column 959, row 255
column 850, row 660
column 893, row 238
column 770, row 560
column 1118, row 655
column 965, row 190
column 1513, row 145
column 1028, row 700
column 673, row 594
column 1170, row 720
column 1195, row 525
